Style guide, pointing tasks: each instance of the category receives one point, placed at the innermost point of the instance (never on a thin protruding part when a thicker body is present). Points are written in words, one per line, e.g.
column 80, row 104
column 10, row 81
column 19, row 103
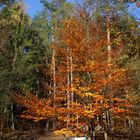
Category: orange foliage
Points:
column 97, row 84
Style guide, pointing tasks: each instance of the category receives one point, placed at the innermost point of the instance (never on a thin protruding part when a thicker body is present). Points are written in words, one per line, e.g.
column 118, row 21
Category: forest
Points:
column 72, row 70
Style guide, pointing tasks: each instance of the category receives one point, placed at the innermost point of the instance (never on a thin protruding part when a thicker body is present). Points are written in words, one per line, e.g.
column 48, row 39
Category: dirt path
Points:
column 52, row 138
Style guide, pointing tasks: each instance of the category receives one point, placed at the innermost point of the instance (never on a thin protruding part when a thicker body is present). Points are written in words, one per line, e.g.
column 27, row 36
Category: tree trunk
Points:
column 92, row 133
column 71, row 76
column 12, row 117
column 105, row 136
column 1, row 127
column 108, row 39
column 54, row 85
column 70, row 97
column 109, row 61
column 14, row 62
column 68, row 85
column 106, row 126
column 53, row 67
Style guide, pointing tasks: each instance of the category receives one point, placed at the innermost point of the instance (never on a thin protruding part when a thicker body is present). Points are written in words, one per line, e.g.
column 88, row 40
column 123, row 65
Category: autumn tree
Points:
column 75, row 69
column 95, row 88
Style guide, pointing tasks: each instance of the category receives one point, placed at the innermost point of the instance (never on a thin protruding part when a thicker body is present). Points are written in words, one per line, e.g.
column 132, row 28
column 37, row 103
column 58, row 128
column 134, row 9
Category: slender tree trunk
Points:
column 98, row 126
column 105, row 136
column 108, row 37
column 70, row 96
column 13, row 69
column 47, row 125
column 2, row 120
column 92, row 135
column 68, row 84
column 54, row 75
column 1, row 127
column 53, row 68
column 109, row 60
column 109, row 49
column 14, row 63
column 77, row 117
column 13, row 66
column 71, row 75
column 12, row 117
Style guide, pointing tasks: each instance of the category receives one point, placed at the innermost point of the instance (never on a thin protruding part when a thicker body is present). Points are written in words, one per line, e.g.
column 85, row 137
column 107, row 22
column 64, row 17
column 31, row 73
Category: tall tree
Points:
column 55, row 12
column 90, row 80
column 20, row 46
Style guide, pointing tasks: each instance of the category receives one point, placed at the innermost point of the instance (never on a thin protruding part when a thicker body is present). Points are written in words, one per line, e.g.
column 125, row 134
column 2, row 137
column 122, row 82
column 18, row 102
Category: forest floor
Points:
column 45, row 135
column 52, row 138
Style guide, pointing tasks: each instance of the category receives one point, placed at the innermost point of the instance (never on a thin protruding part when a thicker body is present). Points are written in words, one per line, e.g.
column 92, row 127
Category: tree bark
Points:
column 109, row 49
column 53, row 68
column 92, row 135
column 12, row 117
column 68, row 85
column 71, row 76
